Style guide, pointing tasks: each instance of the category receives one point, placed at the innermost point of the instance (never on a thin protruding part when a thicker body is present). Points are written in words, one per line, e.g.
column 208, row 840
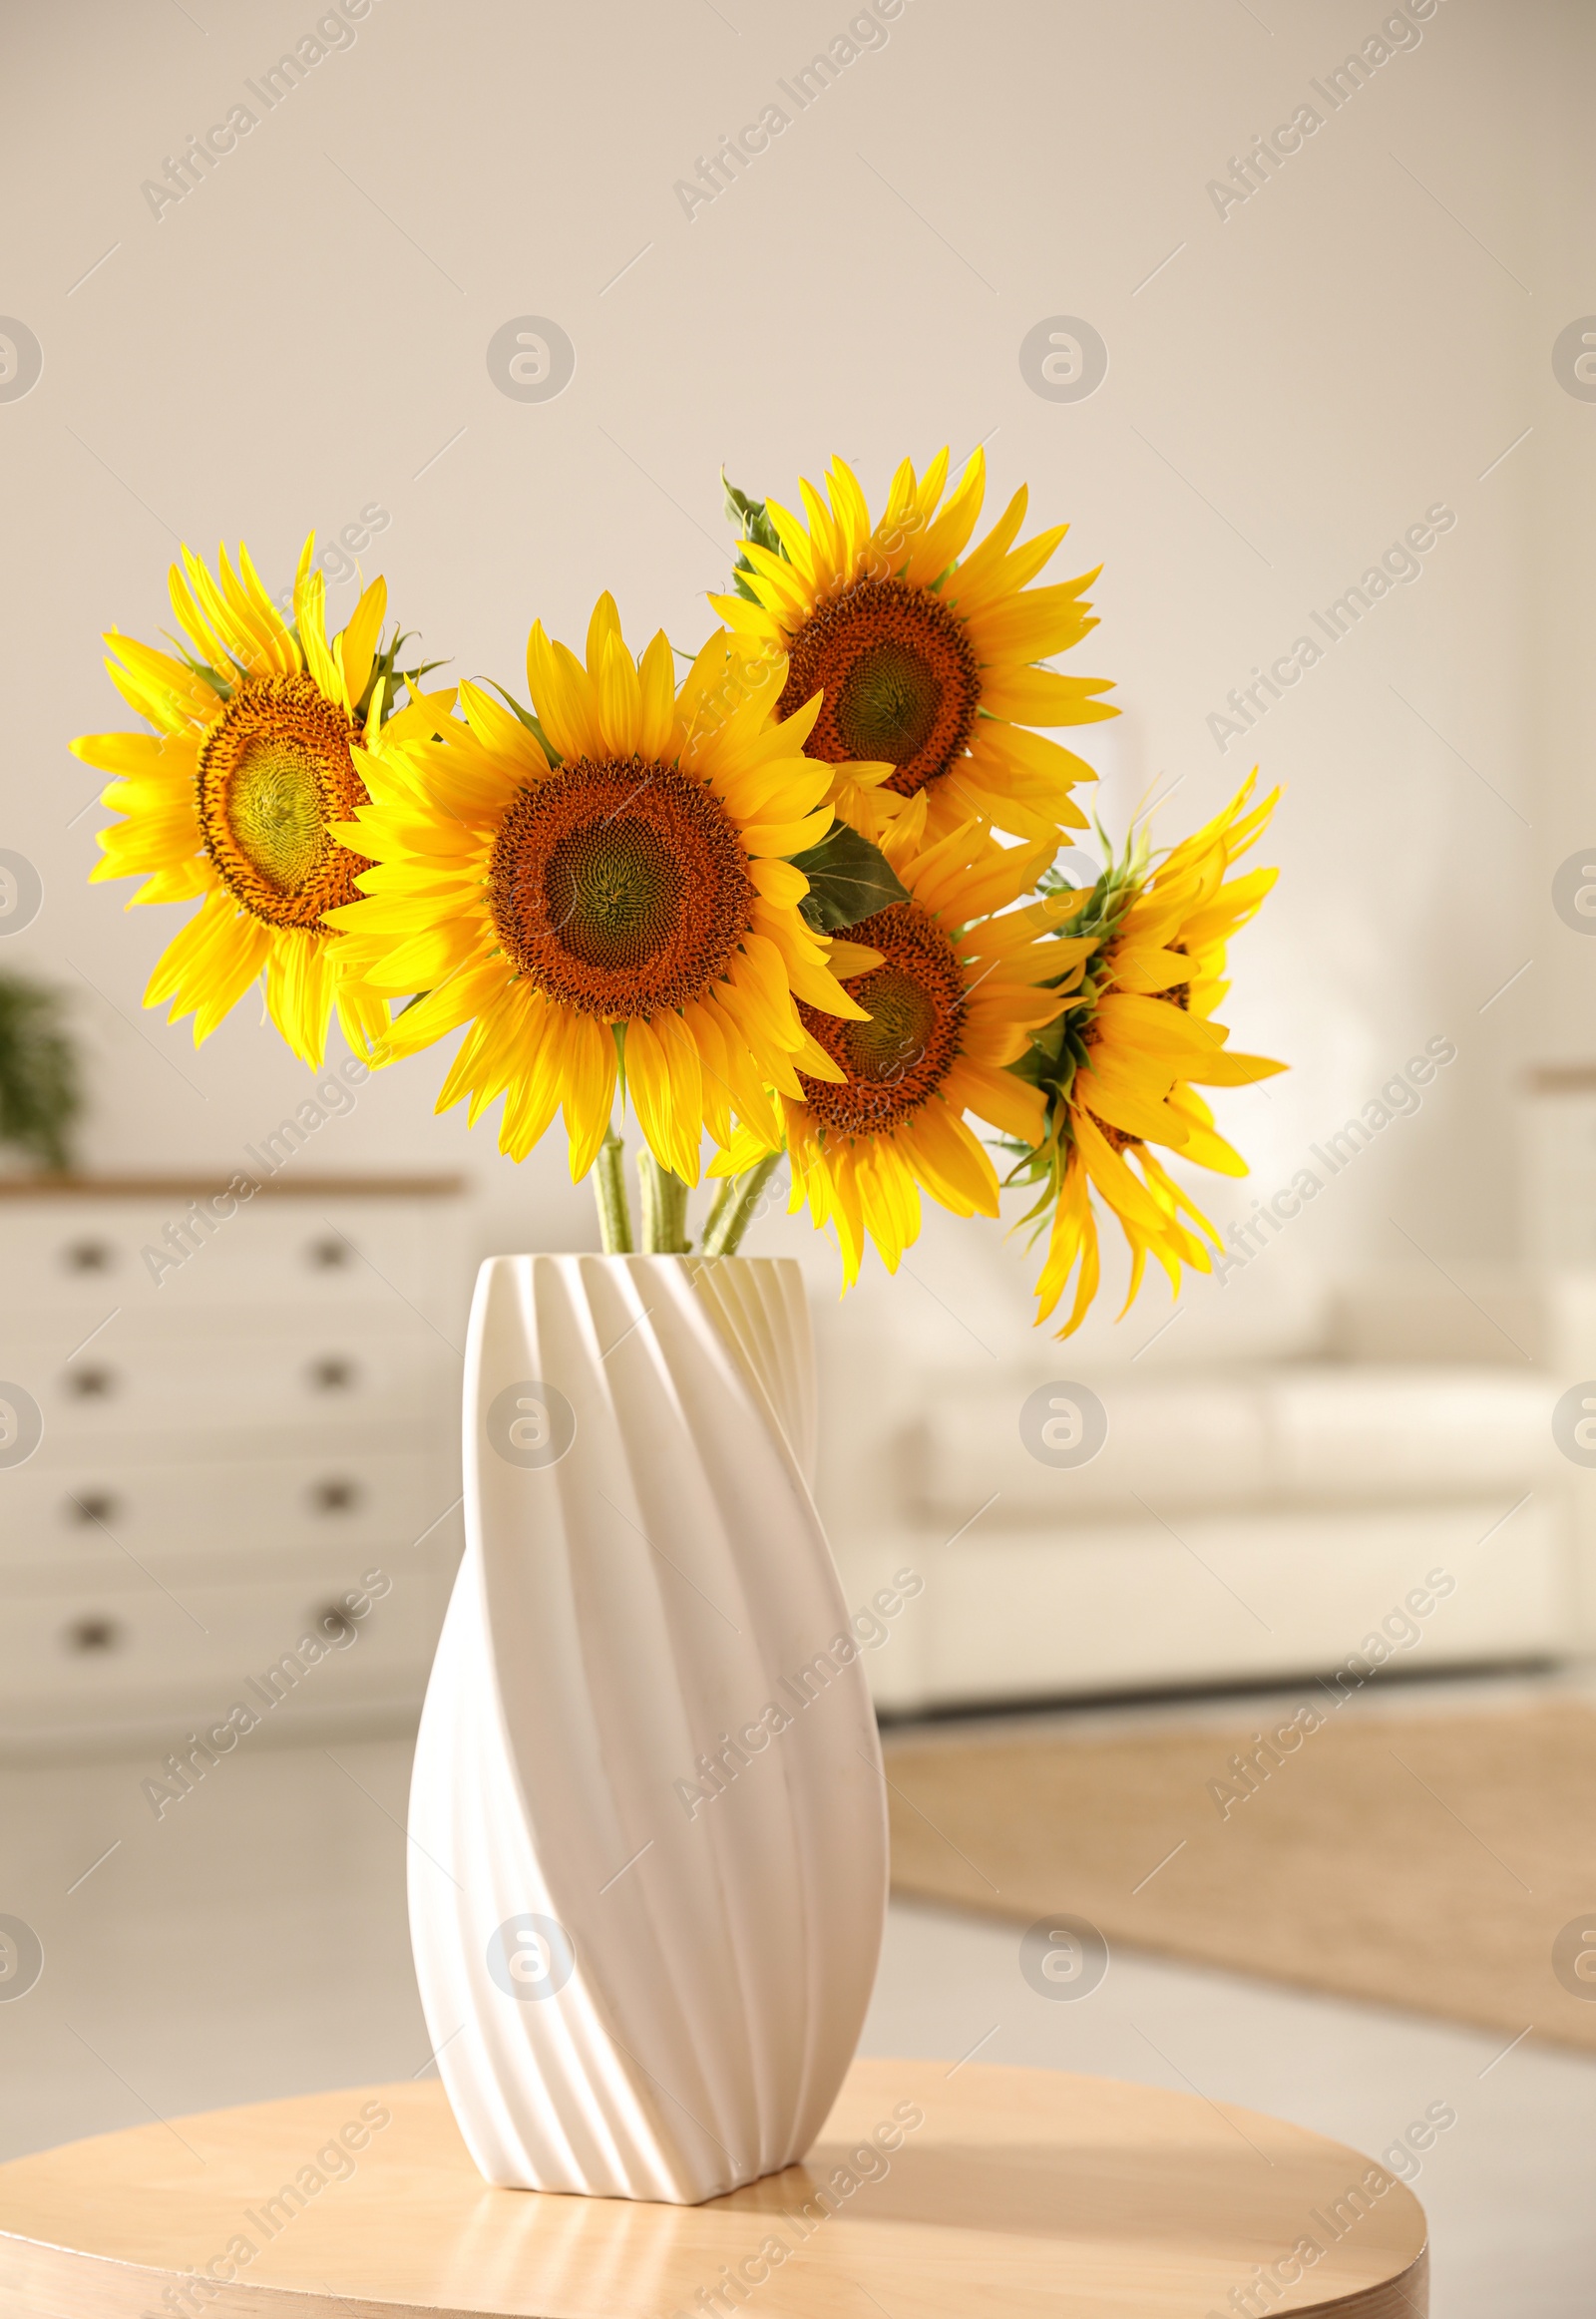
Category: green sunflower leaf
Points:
column 223, row 684
column 752, row 524
column 849, row 878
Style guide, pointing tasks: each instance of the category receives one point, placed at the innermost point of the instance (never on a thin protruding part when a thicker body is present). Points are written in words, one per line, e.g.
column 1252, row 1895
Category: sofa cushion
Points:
column 1322, row 1435
column 1345, row 1434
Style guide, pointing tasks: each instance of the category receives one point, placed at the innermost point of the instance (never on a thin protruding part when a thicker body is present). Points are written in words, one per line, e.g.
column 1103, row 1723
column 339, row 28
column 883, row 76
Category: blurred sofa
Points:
column 1250, row 1527
column 1247, row 1524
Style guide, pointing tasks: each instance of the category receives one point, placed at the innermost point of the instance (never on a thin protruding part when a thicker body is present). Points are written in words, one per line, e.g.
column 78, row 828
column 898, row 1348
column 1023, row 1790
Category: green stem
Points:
column 609, row 1190
column 734, row 1207
column 725, row 1193
column 664, row 1208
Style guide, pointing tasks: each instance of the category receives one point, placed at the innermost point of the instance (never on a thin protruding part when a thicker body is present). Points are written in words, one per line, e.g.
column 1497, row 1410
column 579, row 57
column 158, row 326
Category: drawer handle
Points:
column 333, row 1620
column 329, row 1255
column 89, row 1256
column 93, row 1505
column 93, row 1383
column 86, row 1637
column 333, row 1374
column 338, row 1494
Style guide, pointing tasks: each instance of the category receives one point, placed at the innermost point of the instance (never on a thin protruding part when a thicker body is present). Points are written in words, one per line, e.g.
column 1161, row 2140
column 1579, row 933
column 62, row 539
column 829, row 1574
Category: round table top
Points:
column 933, row 2191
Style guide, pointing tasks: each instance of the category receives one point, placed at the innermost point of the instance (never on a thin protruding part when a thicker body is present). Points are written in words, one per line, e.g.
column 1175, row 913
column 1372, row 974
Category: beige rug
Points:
column 1428, row 1861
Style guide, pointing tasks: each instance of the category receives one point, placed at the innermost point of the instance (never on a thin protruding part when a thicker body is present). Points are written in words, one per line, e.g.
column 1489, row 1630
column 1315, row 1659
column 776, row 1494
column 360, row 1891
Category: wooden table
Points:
column 933, row 2193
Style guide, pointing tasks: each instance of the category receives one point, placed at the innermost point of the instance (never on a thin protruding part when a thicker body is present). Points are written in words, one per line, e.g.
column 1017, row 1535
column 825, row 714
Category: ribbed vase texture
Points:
column 648, row 1855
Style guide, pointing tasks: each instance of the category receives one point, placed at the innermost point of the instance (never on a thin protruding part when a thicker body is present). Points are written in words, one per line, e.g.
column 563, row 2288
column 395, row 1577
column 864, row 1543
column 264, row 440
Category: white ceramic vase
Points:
column 649, row 1844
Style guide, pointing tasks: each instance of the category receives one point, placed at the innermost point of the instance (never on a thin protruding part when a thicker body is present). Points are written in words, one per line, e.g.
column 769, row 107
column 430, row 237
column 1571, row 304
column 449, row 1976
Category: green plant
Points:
column 40, row 1095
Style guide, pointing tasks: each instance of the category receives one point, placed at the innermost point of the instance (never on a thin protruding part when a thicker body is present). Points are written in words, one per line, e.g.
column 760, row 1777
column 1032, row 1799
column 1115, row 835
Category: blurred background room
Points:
column 1337, row 385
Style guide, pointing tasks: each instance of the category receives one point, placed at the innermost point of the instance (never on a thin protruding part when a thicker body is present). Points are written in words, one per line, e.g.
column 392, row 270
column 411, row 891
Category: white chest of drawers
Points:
column 244, row 1414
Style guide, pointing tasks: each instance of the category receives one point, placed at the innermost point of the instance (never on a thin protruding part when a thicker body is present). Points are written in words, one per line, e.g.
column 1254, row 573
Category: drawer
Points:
column 101, row 1510
column 182, row 1385
column 151, row 1252
column 105, row 1652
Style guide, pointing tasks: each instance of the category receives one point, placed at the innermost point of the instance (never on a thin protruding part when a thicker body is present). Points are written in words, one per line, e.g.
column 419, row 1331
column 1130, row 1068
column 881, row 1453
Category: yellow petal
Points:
column 587, row 1086
column 357, row 644
column 657, row 689
column 603, row 628
column 620, row 699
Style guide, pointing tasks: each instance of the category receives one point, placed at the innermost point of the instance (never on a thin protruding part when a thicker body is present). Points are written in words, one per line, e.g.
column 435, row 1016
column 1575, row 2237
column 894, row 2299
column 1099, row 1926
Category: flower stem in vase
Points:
column 734, row 1206
column 664, row 1208
column 609, row 1190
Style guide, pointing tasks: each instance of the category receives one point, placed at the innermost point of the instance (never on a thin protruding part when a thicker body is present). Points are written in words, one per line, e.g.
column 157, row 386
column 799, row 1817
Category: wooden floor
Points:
column 931, row 2195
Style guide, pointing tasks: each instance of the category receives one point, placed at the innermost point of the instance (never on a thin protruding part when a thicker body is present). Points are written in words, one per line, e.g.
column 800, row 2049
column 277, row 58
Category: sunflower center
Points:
column 275, row 770
column 274, row 813
column 615, row 893
column 888, row 703
column 619, row 888
column 900, row 678
column 916, row 1003
column 903, row 1017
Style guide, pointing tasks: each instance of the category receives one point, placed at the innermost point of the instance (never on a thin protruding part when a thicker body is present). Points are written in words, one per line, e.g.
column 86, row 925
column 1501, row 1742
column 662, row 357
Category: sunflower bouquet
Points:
column 799, row 902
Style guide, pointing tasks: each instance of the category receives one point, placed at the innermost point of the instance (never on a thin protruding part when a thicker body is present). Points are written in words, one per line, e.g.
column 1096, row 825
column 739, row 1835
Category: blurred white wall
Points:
column 1291, row 386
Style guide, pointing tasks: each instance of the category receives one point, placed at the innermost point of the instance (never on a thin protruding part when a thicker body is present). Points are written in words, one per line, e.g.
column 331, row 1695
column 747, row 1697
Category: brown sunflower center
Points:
column 916, row 1003
column 619, row 888
column 275, row 770
column 900, row 681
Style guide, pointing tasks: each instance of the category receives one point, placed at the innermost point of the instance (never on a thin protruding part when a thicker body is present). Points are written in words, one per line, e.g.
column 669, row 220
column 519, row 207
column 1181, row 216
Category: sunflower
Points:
column 926, row 662
column 231, row 800
column 600, row 885
column 1136, row 1043
column 947, row 993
